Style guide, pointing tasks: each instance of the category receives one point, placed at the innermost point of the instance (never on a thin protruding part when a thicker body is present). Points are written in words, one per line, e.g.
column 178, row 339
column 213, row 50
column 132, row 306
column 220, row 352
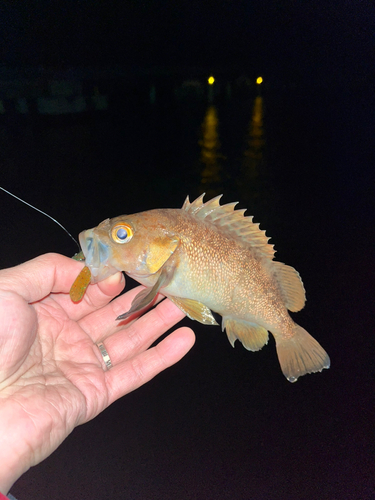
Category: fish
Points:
column 207, row 257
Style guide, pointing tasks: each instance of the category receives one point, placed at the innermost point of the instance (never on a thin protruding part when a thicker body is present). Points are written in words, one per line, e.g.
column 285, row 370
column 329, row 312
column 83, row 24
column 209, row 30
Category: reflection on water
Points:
column 253, row 156
column 210, row 156
column 243, row 171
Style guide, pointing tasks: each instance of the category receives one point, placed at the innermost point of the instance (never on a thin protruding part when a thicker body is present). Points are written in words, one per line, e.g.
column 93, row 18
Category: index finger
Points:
column 35, row 279
column 54, row 273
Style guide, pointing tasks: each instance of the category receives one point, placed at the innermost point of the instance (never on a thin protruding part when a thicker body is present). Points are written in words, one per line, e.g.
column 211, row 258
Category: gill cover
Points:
column 159, row 251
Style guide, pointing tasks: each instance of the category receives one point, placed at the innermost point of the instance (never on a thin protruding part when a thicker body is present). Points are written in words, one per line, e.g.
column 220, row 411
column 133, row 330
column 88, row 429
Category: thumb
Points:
column 18, row 326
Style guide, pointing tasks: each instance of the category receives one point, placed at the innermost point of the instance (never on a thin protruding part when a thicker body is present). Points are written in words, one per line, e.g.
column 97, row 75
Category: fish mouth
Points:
column 97, row 256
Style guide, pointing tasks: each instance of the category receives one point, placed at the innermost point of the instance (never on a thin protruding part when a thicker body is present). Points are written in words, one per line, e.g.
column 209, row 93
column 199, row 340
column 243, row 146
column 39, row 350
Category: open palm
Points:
column 52, row 375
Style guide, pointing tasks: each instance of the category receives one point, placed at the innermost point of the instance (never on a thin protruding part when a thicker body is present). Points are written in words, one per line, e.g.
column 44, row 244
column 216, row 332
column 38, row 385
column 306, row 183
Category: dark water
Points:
column 223, row 423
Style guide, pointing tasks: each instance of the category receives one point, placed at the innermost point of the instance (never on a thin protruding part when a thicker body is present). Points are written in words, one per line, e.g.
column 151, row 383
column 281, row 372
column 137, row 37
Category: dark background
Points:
column 297, row 151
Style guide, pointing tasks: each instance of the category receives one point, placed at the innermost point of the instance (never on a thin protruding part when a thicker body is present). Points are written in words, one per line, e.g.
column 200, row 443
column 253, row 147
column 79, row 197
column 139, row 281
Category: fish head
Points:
column 138, row 244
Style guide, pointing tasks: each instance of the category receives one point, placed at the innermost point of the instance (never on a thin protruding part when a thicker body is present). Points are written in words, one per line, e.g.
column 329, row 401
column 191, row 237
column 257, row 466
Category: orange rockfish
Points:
column 208, row 257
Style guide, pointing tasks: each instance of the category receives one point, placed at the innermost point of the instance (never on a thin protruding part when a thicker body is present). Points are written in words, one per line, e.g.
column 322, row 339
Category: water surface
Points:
column 223, row 423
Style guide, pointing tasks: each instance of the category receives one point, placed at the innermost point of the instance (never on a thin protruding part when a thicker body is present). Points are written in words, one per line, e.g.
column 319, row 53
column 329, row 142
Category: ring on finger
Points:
column 105, row 355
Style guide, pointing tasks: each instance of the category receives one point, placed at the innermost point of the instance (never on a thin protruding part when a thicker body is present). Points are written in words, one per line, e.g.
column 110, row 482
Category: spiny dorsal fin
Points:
column 232, row 221
column 291, row 286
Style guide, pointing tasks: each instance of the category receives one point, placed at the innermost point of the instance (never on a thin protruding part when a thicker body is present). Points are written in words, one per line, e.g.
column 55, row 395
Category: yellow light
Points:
column 211, row 80
column 259, row 80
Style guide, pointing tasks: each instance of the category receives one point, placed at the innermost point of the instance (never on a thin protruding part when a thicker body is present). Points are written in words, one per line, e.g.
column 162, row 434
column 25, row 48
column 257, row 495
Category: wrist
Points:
column 13, row 449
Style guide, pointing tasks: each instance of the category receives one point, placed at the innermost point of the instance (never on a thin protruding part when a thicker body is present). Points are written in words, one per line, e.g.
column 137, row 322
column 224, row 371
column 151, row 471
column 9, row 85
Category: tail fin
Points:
column 301, row 354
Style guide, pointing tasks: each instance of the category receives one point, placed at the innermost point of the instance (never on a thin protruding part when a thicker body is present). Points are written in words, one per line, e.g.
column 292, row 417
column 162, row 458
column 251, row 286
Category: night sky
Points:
column 308, row 41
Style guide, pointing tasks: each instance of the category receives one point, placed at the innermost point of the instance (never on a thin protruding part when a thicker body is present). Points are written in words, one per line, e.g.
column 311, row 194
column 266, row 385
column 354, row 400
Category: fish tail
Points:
column 300, row 354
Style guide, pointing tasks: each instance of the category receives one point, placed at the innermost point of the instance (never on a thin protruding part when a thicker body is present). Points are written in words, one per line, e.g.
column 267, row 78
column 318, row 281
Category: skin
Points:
column 52, row 375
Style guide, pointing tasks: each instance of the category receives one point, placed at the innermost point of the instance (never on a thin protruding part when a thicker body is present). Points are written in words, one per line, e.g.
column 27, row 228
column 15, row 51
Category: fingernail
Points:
column 115, row 279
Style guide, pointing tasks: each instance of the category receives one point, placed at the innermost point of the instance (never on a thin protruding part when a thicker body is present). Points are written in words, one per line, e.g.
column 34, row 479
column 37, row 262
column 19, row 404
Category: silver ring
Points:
column 105, row 355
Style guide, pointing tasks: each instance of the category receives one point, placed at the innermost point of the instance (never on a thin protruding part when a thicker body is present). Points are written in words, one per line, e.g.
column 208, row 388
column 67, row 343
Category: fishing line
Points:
column 44, row 213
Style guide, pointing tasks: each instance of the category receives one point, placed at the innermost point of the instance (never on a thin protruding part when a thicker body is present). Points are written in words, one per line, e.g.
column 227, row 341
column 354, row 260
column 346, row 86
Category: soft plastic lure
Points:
column 80, row 284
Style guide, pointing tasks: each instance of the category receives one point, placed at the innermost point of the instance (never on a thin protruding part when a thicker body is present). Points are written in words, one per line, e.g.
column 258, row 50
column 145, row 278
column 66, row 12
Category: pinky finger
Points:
column 132, row 373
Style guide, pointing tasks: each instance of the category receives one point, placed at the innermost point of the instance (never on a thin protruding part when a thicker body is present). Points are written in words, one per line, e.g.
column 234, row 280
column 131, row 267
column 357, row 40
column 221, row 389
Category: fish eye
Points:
column 122, row 233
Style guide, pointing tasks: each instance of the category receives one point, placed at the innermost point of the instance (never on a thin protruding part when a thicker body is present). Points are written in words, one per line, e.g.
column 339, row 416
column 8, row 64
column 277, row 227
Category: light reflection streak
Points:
column 210, row 157
column 253, row 157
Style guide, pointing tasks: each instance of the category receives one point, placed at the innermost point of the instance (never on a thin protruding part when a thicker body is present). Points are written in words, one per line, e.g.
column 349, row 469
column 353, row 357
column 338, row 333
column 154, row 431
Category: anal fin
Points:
column 252, row 336
column 194, row 310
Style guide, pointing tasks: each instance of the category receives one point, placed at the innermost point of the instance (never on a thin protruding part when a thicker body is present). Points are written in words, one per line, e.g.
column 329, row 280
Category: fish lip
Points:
column 97, row 256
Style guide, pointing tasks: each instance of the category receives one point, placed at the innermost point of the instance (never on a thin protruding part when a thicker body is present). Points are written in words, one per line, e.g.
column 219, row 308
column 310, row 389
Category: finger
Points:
column 137, row 336
column 132, row 373
column 102, row 323
column 95, row 298
column 37, row 278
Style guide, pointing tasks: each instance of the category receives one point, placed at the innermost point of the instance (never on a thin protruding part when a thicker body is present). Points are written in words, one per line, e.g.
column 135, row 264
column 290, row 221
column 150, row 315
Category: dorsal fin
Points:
column 231, row 221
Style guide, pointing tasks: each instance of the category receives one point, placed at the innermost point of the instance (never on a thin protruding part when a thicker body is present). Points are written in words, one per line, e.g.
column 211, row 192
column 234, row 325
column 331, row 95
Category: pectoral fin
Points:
column 194, row 310
column 252, row 336
column 145, row 297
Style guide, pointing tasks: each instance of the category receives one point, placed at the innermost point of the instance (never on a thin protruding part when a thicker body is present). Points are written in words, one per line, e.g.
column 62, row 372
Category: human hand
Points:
column 52, row 374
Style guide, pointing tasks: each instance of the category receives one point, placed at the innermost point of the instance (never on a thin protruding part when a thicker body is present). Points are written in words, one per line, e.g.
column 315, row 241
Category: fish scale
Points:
column 209, row 257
